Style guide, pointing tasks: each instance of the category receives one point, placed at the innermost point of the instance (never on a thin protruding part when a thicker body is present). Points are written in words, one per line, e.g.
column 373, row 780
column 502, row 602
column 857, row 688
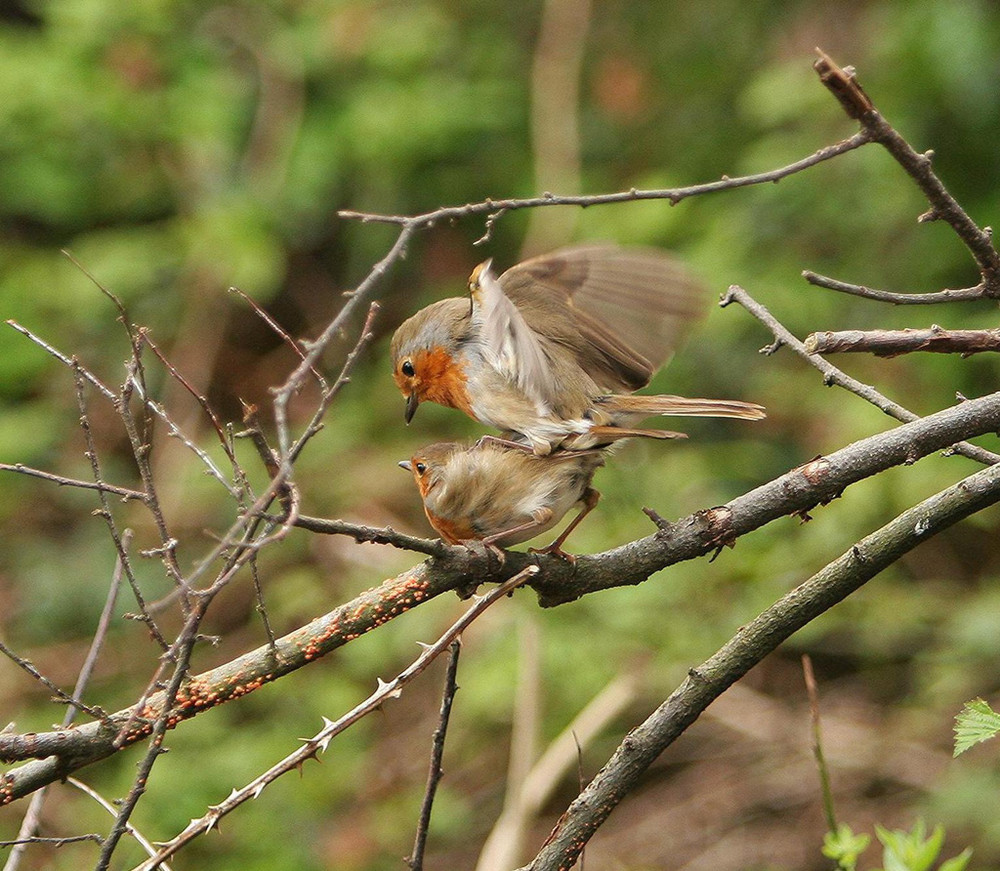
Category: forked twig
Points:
column 833, row 375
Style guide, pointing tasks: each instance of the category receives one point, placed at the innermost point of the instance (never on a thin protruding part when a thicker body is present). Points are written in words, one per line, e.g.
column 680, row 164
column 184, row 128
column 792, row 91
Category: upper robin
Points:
column 501, row 495
column 547, row 350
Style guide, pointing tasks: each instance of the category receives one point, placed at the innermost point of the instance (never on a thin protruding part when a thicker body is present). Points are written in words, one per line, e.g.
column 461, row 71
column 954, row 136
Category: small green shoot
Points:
column 901, row 851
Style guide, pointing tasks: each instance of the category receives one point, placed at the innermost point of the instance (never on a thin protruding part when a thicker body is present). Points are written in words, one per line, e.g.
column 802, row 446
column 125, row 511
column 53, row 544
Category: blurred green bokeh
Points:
column 176, row 149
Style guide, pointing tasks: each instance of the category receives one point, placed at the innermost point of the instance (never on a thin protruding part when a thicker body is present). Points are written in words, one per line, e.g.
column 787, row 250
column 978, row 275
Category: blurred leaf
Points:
column 975, row 723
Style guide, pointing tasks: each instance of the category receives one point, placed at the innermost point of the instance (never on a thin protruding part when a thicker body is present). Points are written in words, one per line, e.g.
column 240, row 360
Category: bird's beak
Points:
column 411, row 406
column 405, row 464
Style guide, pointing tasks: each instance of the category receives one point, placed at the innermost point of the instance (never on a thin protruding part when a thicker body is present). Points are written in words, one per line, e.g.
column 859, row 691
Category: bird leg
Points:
column 539, row 518
column 502, row 442
column 589, row 499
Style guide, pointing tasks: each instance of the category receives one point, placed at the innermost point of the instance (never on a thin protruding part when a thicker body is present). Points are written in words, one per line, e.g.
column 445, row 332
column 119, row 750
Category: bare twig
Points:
column 29, row 825
column 673, row 195
column 965, row 294
column 749, row 646
column 194, row 392
column 139, row 436
column 255, row 434
column 258, row 593
column 891, row 343
column 434, row 773
column 60, row 694
column 111, row 809
column 377, row 535
column 280, row 332
column 69, row 362
column 115, row 301
column 62, row 481
column 80, row 379
column 319, row 742
column 158, row 732
column 343, row 378
column 294, row 381
column 833, row 375
column 56, row 842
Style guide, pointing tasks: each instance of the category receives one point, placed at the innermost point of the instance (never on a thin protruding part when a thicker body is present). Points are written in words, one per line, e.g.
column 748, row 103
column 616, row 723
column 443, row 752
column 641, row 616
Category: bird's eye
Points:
column 407, row 369
column 421, row 468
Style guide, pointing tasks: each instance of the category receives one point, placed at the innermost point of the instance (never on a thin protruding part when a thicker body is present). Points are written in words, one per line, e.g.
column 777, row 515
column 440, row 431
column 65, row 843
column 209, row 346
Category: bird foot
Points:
column 554, row 550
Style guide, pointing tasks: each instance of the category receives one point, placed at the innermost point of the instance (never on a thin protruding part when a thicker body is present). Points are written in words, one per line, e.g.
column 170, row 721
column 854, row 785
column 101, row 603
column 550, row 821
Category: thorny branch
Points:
column 319, row 742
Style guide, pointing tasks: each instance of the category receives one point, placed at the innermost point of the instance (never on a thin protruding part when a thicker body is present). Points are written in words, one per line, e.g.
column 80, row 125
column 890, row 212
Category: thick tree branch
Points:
column 747, row 648
column 797, row 491
column 55, row 754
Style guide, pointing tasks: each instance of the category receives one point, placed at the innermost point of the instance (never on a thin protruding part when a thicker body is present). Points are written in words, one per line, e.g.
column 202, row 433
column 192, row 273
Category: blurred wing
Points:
column 508, row 343
column 622, row 311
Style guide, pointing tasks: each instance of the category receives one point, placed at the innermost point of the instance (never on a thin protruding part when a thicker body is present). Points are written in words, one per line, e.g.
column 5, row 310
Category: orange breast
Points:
column 442, row 380
column 451, row 531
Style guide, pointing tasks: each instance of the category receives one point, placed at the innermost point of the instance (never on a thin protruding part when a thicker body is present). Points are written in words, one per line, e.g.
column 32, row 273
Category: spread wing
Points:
column 620, row 311
column 508, row 343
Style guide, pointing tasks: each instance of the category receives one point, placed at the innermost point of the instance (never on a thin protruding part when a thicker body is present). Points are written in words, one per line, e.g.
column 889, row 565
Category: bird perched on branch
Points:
column 550, row 351
column 501, row 495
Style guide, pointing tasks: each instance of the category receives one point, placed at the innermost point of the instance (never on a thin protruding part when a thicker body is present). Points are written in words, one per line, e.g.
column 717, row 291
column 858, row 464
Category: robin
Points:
column 500, row 495
column 550, row 351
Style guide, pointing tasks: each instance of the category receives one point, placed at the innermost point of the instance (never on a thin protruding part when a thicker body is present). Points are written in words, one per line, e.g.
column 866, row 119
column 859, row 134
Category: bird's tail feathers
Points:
column 682, row 406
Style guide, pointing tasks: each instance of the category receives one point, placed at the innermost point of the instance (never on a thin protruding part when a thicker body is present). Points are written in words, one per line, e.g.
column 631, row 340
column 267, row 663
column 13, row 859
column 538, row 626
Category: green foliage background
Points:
column 179, row 148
